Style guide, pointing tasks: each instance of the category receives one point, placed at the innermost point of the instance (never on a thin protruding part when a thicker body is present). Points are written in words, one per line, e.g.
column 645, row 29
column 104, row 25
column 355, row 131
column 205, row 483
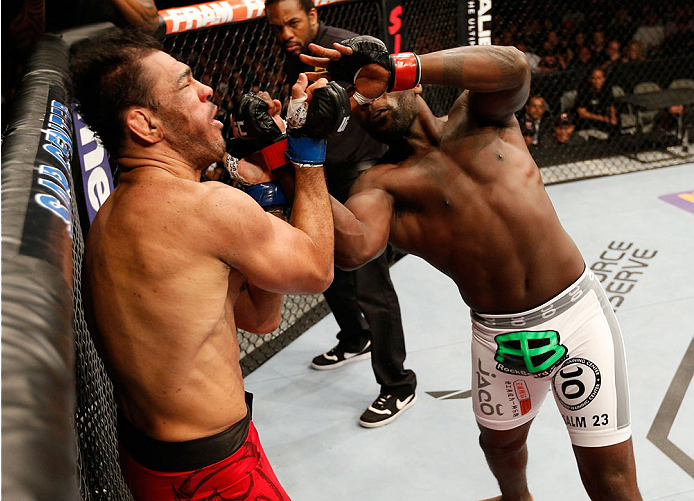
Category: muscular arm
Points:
column 311, row 213
column 498, row 77
column 362, row 227
column 140, row 13
column 257, row 310
column 273, row 255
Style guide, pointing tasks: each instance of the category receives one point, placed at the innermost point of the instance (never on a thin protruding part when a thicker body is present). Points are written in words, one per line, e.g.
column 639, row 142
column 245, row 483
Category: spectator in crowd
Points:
column 569, row 57
column 550, row 61
column 533, row 58
column 579, row 42
column 583, row 59
column 613, row 54
column 652, row 32
column 363, row 301
column 507, row 37
column 528, row 133
column 553, row 40
column 530, row 33
column 573, row 16
column 563, row 45
column 564, row 127
column 633, row 51
column 621, row 26
column 597, row 47
column 668, row 123
column 680, row 39
column 595, row 105
column 534, row 122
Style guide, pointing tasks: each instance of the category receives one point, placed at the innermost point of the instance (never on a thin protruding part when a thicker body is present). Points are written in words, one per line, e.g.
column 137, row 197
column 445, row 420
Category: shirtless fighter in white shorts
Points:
column 464, row 193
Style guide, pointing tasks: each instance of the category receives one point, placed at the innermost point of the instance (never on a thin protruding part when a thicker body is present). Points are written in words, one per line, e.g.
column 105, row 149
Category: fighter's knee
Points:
column 502, row 444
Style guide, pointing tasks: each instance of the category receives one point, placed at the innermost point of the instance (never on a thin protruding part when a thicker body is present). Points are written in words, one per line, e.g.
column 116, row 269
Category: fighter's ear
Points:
column 144, row 124
column 313, row 16
column 418, row 89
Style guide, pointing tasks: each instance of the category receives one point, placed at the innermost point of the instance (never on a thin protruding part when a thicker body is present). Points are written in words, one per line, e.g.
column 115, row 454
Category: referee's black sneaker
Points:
column 385, row 409
column 337, row 357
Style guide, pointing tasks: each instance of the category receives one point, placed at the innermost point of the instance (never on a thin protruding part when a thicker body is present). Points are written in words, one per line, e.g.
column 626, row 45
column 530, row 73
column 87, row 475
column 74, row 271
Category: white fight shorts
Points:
column 572, row 344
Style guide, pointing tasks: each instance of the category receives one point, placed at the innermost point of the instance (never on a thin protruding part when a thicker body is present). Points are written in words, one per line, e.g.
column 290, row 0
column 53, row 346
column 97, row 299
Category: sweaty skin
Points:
column 465, row 194
column 174, row 266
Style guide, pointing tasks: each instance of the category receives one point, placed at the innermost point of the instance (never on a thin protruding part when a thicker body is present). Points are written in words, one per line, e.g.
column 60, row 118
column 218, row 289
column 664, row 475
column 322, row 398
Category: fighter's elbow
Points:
column 521, row 64
column 351, row 261
column 319, row 280
column 261, row 325
column 348, row 265
column 269, row 326
column 327, row 278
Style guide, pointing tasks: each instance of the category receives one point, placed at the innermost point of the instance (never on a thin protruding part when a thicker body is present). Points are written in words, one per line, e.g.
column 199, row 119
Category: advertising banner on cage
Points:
column 395, row 33
column 206, row 15
column 478, row 29
column 48, row 225
column 97, row 180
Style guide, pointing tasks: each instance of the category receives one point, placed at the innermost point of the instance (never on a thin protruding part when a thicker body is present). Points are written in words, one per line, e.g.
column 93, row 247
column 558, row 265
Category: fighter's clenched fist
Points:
column 365, row 62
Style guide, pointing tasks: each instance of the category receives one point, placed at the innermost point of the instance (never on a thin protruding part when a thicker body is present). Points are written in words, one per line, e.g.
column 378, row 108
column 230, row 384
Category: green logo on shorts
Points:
column 529, row 351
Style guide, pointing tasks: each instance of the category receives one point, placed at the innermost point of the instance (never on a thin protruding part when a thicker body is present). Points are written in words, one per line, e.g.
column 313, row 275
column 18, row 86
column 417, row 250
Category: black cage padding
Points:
column 38, row 390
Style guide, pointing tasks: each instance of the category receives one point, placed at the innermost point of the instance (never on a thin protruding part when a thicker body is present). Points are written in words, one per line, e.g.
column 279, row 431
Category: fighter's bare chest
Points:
column 429, row 187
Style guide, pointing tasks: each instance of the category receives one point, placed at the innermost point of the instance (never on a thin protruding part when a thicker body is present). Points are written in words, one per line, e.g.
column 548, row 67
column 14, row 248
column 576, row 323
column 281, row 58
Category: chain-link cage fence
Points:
column 430, row 26
column 612, row 82
column 245, row 57
column 95, row 410
column 574, row 129
column 615, row 81
column 643, row 50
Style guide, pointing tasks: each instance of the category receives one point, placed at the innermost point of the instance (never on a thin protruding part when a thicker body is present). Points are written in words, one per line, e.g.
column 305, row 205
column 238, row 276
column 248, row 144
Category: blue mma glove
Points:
column 310, row 126
column 267, row 195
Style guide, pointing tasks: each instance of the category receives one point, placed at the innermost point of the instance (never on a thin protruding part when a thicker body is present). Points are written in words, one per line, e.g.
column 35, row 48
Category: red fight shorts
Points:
column 244, row 475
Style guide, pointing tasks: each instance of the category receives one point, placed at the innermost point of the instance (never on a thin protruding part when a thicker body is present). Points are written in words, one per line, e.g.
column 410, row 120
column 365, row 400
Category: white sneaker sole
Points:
column 337, row 365
column 391, row 418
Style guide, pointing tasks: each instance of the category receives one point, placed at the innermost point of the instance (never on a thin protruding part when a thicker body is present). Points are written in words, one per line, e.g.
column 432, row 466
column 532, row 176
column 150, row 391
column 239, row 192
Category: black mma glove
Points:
column 404, row 68
column 309, row 126
column 257, row 132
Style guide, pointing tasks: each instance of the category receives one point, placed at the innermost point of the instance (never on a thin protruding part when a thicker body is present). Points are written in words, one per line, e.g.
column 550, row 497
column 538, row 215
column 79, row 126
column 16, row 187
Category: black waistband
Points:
column 183, row 456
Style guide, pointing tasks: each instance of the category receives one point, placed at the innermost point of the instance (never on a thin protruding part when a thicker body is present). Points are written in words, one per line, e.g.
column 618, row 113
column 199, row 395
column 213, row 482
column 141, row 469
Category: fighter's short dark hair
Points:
column 306, row 5
column 108, row 78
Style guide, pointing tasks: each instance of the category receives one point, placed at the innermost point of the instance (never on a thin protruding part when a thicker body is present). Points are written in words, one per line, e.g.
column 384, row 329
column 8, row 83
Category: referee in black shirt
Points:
column 363, row 301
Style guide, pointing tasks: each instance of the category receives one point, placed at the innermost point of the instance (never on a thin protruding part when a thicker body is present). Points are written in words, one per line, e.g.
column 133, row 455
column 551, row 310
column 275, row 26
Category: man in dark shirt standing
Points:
column 596, row 105
column 363, row 301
